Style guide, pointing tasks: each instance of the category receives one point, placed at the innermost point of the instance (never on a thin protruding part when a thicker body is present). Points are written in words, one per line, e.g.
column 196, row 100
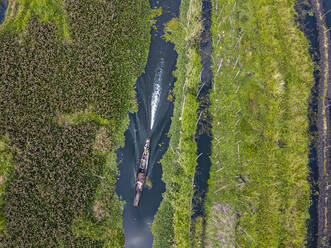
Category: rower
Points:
column 139, row 185
column 141, row 175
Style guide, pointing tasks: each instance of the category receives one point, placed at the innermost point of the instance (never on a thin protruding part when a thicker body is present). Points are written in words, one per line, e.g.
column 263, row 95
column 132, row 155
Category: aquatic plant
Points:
column 64, row 98
column 179, row 162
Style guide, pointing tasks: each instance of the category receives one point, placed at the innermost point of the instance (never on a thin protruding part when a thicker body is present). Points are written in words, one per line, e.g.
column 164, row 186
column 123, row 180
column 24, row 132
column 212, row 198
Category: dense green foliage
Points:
column 6, row 167
column 63, row 105
column 20, row 11
column 262, row 80
column 171, row 225
column 197, row 235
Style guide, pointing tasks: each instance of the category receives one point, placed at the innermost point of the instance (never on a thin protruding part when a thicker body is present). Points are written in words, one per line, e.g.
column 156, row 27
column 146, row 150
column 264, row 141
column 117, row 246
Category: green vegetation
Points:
column 197, row 234
column 262, row 80
column 67, row 74
column 20, row 11
column 171, row 225
column 6, row 167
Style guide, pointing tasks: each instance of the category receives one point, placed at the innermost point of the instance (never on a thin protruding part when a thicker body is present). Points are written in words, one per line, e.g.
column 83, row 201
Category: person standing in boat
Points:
column 140, row 181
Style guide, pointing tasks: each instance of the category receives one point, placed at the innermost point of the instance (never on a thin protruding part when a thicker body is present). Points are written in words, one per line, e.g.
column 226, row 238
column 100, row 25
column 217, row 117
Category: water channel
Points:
column 203, row 132
column 3, row 8
column 152, row 120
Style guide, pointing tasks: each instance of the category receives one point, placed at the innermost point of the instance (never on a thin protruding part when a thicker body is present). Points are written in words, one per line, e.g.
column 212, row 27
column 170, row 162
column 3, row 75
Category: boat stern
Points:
column 137, row 198
column 148, row 141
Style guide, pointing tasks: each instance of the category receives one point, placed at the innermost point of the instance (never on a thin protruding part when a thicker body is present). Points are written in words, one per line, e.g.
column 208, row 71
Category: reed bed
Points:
column 67, row 74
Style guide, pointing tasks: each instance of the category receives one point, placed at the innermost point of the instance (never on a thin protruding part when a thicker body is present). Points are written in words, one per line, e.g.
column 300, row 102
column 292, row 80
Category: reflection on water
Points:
column 156, row 91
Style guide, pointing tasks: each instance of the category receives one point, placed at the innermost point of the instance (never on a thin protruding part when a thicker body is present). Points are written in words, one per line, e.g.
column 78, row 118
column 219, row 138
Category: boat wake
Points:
column 156, row 91
column 152, row 120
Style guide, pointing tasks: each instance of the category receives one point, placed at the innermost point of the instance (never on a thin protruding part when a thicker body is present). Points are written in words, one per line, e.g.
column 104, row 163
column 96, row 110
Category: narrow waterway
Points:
column 203, row 132
column 3, row 8
column 152, row 120
column 307, row 24
column 324, row 203
column 326, row 10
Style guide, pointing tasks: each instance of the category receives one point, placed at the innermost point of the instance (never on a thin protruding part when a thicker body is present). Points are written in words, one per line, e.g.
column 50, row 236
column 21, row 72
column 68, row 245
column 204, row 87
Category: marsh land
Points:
column 235, row 97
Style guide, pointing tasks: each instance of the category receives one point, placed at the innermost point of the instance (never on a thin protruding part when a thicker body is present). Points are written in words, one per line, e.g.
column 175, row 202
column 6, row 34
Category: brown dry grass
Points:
column 221, row 226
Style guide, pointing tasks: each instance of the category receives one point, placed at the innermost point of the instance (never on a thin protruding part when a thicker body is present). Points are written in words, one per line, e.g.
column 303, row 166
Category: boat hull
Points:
column 142, row 173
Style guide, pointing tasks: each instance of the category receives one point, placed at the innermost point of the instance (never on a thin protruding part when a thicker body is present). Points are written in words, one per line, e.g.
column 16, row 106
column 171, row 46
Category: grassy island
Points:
column 259, row 193
column 171, row 226
column 67, row 74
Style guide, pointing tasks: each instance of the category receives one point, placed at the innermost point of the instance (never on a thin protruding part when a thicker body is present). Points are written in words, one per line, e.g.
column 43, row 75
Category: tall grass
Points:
column 67, row 78
column 171, row 226
column 263, row 75
column 20, row 11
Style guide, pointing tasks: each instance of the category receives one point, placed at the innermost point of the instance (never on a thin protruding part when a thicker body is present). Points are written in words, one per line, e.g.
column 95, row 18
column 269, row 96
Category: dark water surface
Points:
column 3, row 8
column 153, row 120
column 308, row 26
column 203, row 132
column 327, row 12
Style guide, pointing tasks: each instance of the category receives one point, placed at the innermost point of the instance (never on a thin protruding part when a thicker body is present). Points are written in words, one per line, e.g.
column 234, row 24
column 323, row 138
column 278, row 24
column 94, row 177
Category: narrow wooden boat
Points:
column 142, row 172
